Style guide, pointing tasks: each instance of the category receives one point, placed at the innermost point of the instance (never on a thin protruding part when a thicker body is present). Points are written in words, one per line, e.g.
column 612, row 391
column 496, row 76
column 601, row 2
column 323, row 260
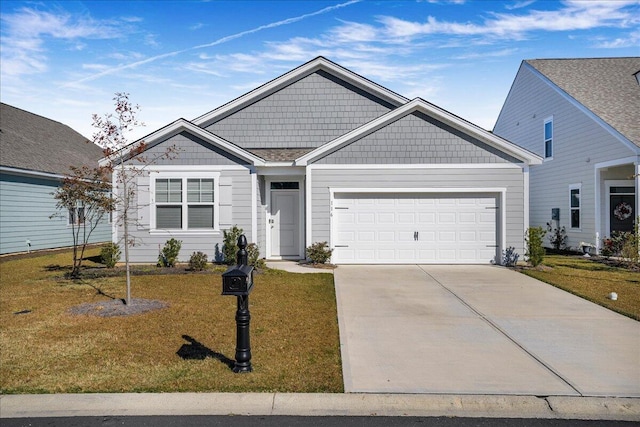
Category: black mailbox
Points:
column 237, row 280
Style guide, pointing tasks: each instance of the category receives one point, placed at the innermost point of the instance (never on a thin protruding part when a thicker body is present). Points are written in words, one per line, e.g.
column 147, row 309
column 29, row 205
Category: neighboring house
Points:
column 35, row 154
column 323, row 154
column 583, row 117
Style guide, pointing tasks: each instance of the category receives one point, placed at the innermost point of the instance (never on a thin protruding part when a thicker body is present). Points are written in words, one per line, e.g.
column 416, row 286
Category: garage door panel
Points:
column 378, row 228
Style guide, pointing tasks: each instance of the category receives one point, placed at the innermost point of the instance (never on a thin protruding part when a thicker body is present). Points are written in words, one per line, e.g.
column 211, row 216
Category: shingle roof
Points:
column 279, row 154
column 34, row 143
column 606, row 86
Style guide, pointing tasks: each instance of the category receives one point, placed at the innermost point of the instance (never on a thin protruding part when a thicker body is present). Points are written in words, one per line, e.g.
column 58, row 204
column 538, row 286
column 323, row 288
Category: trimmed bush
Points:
column 557, row 237
column 169, row 254
column 253, row 255
column 535, row 251
column 230, row 244
column 319, row 252
column 198, row 261
column 110, row 254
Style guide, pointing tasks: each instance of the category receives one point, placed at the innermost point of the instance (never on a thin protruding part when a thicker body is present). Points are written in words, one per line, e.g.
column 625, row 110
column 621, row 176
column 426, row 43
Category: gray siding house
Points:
column 583, row 117
column 323, row 154
column 35, row 154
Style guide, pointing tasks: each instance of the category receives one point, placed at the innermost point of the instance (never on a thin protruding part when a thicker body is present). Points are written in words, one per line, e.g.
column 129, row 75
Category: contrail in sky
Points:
column 214, row 43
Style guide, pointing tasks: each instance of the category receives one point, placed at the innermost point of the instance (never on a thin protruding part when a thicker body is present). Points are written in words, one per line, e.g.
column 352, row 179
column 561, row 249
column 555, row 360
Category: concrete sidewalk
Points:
column 423, row 405
column 478, row 330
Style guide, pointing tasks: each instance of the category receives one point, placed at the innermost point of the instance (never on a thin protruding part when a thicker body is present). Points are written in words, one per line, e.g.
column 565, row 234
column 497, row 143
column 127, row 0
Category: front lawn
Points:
column 187, row 346
column 593, row 281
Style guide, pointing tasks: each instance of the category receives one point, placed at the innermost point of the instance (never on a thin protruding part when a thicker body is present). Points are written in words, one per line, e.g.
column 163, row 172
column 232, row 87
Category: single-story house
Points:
column 35, row 155
column 582, row 116
column 324, row 154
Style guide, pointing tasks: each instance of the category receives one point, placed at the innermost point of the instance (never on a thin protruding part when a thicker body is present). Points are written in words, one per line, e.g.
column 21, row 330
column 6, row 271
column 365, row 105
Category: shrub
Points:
column 110, row 254
column 631, row 244
column 169, row 254
column 230, row 245
column 254, row 256
column 510, row 257
column 612, row 246
column 557, row 237
column 535, row 251
column 198, row 261
column 319, row 252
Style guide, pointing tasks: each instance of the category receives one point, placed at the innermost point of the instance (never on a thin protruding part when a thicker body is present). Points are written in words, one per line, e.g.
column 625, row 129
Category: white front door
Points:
column 285, row 221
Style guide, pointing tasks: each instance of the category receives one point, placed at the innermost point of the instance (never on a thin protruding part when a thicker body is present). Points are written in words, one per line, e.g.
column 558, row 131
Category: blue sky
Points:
column 65, row 59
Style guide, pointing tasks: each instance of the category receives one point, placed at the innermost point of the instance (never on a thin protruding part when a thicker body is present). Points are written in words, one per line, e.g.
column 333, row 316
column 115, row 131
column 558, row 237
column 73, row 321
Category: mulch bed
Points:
column 117, row 307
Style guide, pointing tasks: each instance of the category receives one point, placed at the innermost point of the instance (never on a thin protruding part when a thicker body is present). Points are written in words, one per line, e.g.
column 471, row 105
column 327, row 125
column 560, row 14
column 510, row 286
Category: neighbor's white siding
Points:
column 579, row 143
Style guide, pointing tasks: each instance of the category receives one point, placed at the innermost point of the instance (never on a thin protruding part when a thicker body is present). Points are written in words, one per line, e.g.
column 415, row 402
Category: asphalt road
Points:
column 284, row 421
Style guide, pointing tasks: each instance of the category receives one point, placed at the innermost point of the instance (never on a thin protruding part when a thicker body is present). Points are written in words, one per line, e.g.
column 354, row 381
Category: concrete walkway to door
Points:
column 478, row 330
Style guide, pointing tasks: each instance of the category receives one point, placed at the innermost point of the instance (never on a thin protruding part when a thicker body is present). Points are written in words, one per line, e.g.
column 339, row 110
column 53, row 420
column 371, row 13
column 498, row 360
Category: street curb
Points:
column 319, row 404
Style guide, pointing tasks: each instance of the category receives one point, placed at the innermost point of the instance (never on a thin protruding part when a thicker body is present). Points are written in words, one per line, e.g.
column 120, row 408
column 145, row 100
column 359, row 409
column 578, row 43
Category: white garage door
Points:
column 414, row 228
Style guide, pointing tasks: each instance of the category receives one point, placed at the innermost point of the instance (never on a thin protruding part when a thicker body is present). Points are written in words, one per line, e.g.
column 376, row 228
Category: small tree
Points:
column 535, row 251
column 126, row 163
column 84, row 198
column 557, row 236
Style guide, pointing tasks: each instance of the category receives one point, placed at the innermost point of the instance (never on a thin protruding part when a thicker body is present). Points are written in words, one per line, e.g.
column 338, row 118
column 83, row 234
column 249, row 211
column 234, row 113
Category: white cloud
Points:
column 574, row 15
column 632, row 39
column 519, row 4
column 24, row 33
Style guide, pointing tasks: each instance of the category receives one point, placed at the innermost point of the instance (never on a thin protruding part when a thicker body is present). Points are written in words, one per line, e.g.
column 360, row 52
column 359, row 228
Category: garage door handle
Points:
column 338, row 207
column 492, row 246
column 416, row 236
column 340, row 246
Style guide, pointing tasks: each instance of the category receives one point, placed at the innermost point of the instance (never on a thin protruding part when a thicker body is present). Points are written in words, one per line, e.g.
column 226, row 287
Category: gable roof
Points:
column 422, row 106
column 608, row 87
column 318, row 64
column 34, row 143
column 182, row 125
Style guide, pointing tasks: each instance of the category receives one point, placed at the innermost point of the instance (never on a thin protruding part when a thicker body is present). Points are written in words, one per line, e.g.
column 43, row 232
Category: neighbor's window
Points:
column 548, row 138
column 574, row 194
column 76, row 216
column 186, row 203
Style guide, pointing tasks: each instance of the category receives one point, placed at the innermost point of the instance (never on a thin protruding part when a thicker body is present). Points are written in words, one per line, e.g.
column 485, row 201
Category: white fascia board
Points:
column 184, row 125
column 392, row 166
column 286, row 79
column 606, row 126
column 431, row 110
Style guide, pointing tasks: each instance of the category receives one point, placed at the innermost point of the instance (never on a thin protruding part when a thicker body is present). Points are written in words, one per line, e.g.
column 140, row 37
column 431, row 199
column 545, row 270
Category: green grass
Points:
column 593, row 281
column 294, row 333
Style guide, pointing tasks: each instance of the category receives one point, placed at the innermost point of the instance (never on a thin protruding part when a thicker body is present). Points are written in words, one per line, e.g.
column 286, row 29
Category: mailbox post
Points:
column 238, row 281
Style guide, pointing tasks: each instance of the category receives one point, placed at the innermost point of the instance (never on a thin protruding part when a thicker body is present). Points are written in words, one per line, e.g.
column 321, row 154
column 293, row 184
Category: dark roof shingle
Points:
column 606, row 86
column 34, row 143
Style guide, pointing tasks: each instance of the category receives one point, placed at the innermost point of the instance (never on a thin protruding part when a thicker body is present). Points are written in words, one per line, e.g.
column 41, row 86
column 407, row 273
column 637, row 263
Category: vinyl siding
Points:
column 416, row 139
column 305, row 114
column 234, row 199
column 188, row 150
column 509, row 178
column 26, row 204
column 579, row 143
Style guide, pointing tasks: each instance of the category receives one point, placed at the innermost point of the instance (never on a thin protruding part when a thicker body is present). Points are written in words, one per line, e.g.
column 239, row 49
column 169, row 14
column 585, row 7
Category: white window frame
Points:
column 185, row 176
column 579, row 208
column 545, row 139
column 76, row 216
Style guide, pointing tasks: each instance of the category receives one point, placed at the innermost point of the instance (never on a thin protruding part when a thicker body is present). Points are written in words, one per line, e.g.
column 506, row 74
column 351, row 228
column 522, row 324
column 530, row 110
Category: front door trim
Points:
column 268, row 216
column 607, row 208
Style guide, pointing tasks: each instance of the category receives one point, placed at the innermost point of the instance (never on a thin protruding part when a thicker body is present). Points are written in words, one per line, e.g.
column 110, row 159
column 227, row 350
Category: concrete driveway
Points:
column 478, row 330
